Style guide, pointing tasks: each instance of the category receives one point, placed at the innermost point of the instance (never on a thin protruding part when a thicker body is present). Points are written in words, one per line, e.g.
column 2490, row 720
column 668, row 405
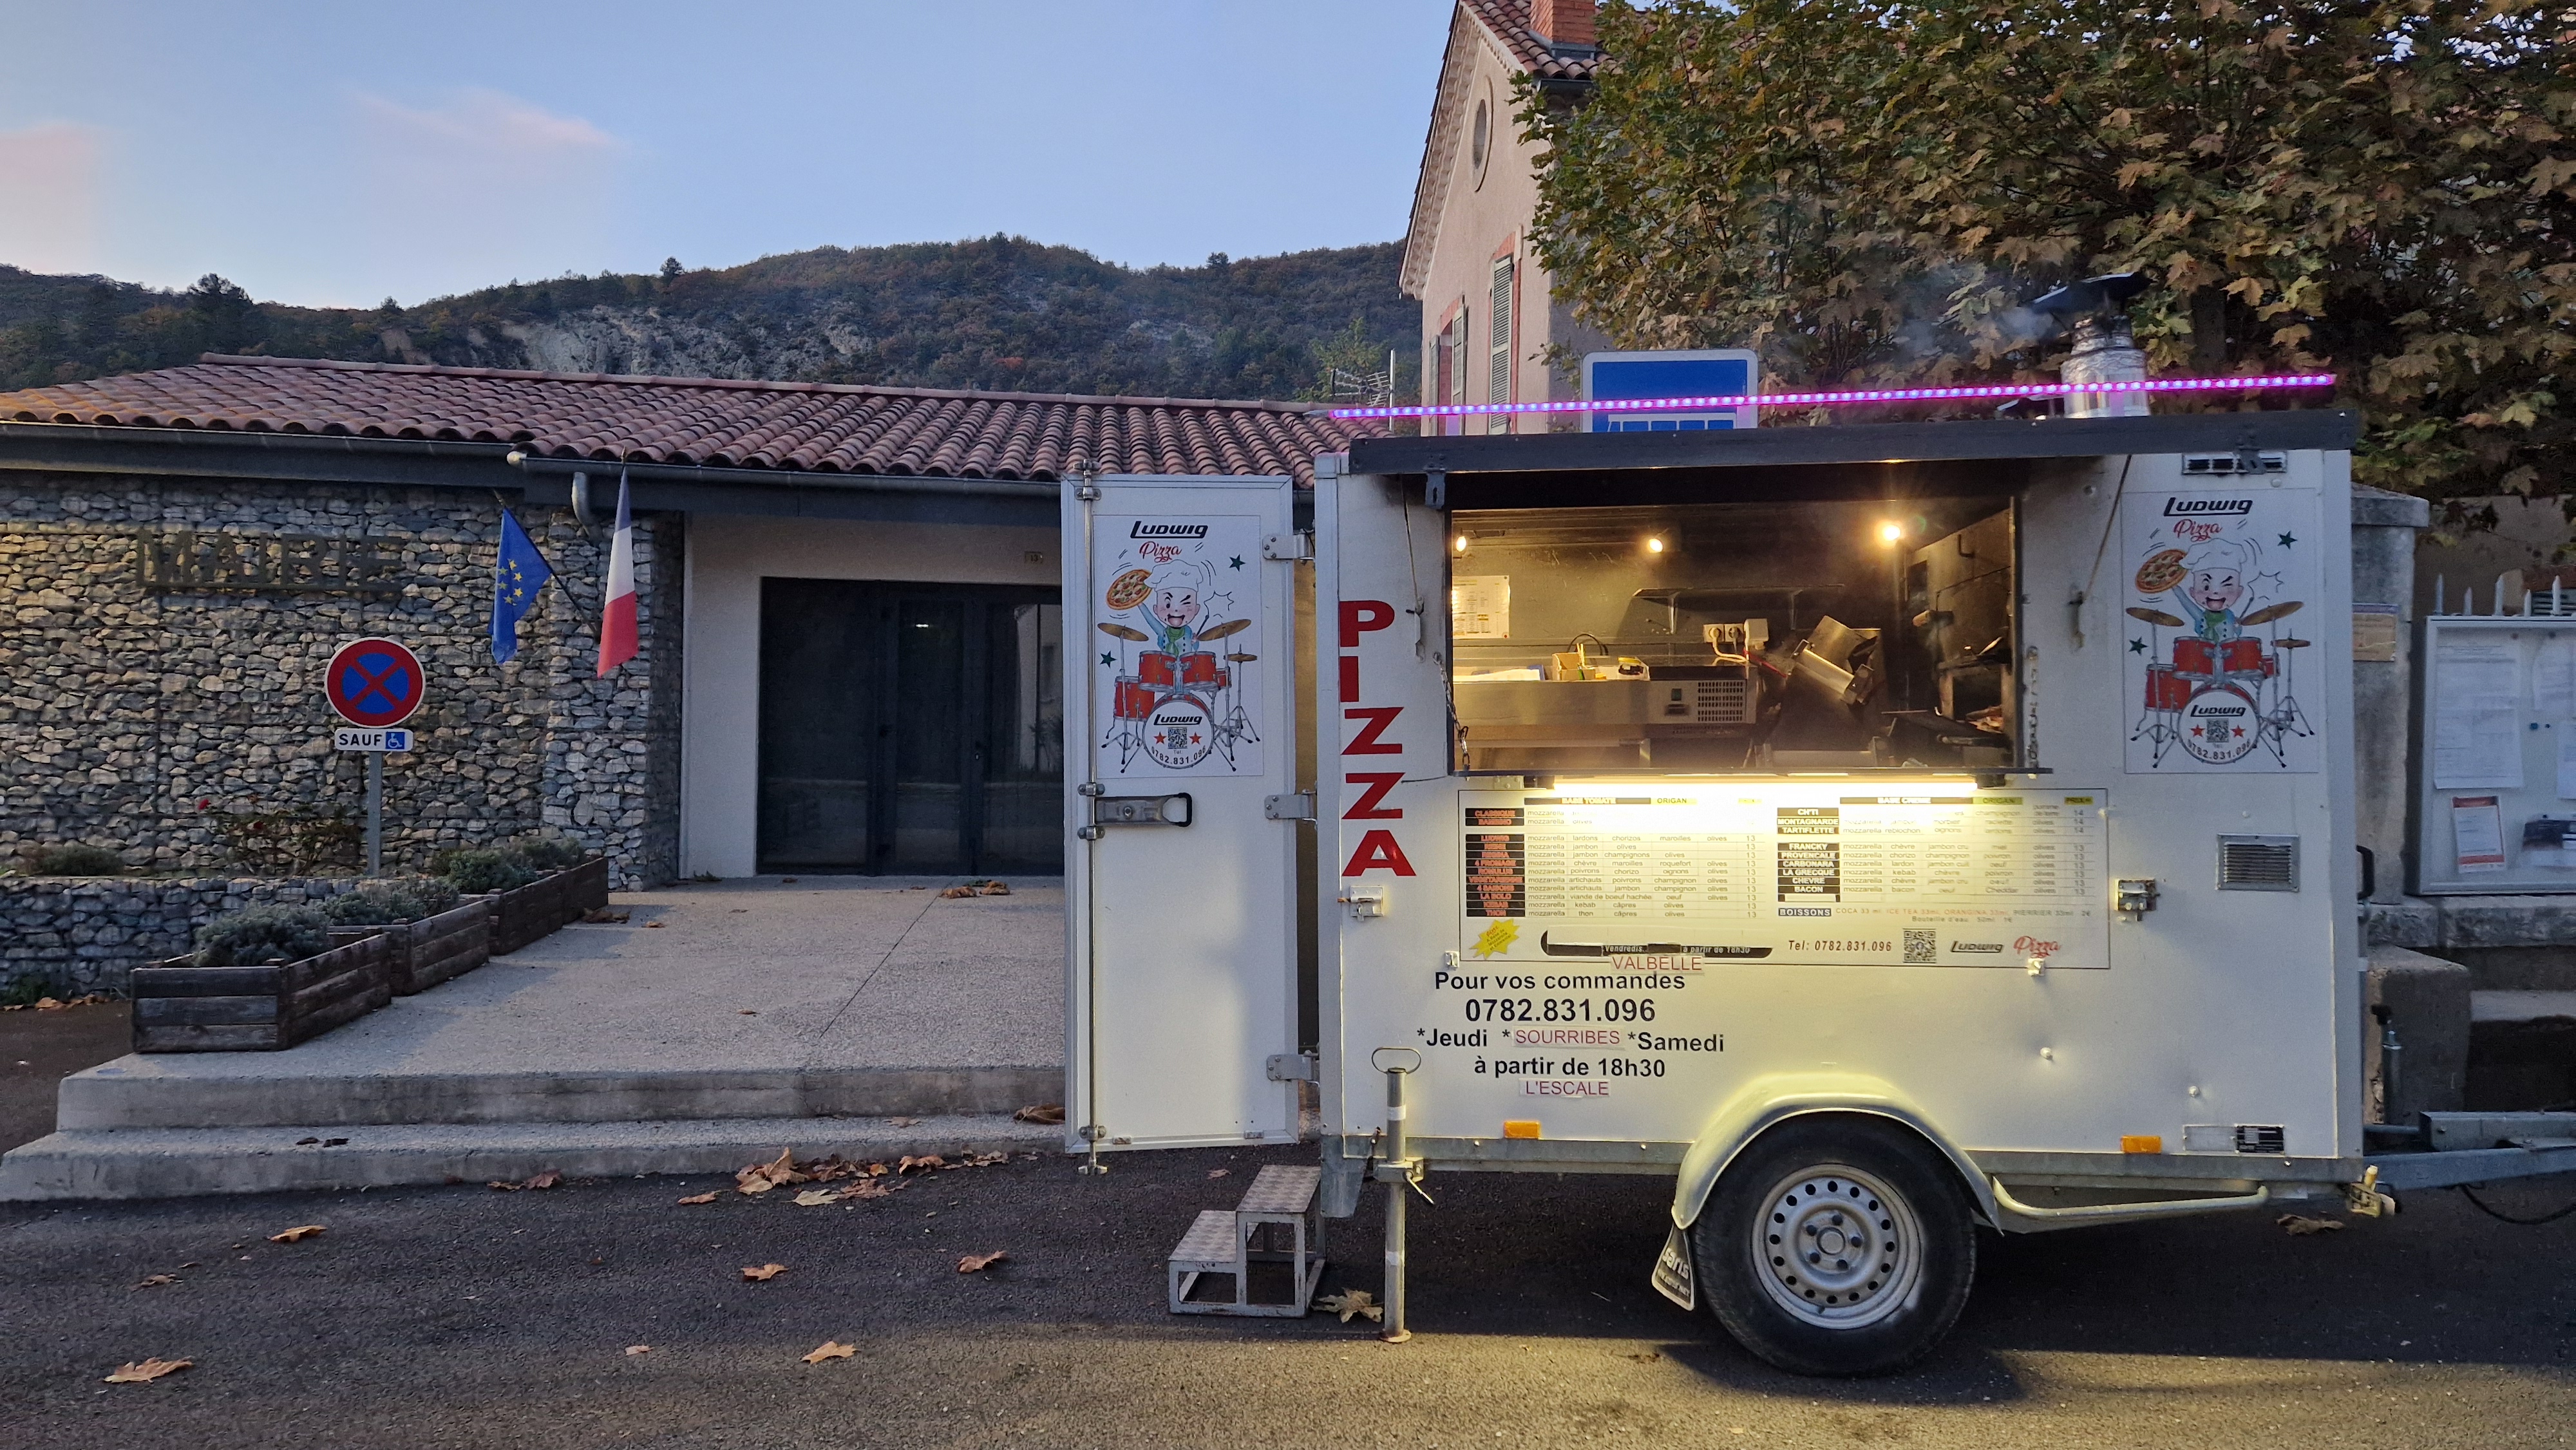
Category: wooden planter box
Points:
column 184, row 1008
column 421, row 954
column 533, row 911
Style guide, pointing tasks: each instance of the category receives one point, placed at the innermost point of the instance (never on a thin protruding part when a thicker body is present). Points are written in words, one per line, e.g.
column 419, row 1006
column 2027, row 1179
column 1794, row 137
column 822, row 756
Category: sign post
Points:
column 374, row 684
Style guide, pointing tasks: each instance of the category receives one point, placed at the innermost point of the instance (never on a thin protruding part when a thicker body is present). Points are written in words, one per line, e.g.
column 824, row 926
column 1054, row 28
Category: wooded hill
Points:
column 1001, row 312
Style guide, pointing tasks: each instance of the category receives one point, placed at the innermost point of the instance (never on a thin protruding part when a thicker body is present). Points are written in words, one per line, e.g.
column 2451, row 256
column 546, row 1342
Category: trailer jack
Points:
column 2364, row 1200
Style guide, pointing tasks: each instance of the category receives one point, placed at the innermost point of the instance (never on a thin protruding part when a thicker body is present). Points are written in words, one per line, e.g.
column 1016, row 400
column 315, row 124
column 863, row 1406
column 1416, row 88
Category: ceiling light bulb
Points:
column 1654, row 546
column 1890, row 532
column 1459, row 543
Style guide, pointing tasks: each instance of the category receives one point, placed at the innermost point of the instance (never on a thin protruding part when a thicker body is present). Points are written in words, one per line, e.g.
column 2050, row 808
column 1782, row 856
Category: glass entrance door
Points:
column 910, row 728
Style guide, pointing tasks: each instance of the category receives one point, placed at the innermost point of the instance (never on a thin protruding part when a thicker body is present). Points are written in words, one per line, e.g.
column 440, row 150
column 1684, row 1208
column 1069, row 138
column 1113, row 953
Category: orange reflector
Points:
column 1519, row 1128
column 2141, row 1143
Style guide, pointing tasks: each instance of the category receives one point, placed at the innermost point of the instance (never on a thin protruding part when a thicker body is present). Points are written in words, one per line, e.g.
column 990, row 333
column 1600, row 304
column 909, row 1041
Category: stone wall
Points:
column 130, row 718
column 79, row 934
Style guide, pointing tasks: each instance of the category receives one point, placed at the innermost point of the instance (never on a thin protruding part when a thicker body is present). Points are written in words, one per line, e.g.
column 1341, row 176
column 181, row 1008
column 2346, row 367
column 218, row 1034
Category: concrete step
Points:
column 231, row 1090
column 188, row 1162
column 2512, row 1006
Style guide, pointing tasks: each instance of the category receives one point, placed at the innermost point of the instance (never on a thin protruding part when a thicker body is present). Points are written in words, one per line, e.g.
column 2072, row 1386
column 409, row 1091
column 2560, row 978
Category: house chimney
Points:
column 1564, row 24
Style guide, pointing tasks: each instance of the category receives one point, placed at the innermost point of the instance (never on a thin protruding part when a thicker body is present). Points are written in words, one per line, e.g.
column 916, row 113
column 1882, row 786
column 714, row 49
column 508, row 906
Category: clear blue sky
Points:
column 337, row 154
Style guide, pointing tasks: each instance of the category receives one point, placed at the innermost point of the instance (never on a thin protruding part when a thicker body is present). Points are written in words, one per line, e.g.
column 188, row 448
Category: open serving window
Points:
column 1735, row 637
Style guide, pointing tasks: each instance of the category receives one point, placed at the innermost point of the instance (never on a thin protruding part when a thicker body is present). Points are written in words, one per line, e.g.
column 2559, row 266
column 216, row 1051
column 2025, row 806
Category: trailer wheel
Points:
column 1841, row 1247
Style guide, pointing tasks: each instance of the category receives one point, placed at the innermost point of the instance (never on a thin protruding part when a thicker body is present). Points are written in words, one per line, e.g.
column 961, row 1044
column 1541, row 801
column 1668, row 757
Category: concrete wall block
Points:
column 2409, row 923
column 2508, row 921
column 2428, row 1003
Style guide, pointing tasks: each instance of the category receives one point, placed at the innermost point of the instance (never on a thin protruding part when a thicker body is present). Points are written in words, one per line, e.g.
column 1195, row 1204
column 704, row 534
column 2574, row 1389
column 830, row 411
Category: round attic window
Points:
column 1480, row 140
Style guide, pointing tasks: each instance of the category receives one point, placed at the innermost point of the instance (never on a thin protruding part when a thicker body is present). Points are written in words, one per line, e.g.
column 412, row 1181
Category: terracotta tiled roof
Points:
column 830, row 428
column 1508, row 21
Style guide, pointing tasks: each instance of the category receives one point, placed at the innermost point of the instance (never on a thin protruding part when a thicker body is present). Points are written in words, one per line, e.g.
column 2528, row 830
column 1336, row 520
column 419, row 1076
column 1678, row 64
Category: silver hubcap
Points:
column 1837, row 1247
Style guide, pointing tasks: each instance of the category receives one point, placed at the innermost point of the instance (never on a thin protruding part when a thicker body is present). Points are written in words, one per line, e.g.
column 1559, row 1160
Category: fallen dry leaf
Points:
column 296, row 1235
column 1040, row 1113
column 903, row 1122
column 830, row 1349
column 601, row 915
column 48, row 1004
column 762, row 1177
column 817, row 1197
column 1354, row 1301
column 992, row 888
column 498, row 1186
column 2301, row 1227
column 953, row 893
column 653, row 925
column 977, row 1263
column 764, row 1273
column 1219, row 1172
column 922, row 1164
column 155, row 1281
column 639, row 1349
column 547, row 1179
column 699, row 1198
column 148, row 1371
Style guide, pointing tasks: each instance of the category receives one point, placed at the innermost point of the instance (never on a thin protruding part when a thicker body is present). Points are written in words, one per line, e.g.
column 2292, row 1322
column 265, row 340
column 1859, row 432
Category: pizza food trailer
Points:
column 1884, row 831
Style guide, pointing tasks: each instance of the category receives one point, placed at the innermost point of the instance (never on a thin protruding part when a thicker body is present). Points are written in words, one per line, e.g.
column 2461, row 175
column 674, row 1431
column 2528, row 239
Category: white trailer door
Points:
column 1181, row 889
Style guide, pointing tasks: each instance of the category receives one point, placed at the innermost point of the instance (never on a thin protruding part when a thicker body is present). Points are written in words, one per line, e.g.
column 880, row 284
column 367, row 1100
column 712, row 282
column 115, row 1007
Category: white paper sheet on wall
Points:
column 2477, row 715
column 2477, row 833
column 1480, row 606
column 2567, row 765
column 2553, row 679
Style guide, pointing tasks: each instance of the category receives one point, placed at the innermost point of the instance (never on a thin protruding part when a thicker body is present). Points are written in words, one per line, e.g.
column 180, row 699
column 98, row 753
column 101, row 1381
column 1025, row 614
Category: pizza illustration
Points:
column 2162, row 571
column 1130, row 588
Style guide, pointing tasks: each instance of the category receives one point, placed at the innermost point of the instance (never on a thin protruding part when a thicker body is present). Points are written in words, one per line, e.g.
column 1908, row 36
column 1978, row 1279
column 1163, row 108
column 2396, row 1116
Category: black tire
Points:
column 1873, row 1297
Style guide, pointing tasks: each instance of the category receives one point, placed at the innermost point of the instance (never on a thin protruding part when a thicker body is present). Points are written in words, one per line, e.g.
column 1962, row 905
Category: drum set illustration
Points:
column 2222, row 694
column 1180, row 704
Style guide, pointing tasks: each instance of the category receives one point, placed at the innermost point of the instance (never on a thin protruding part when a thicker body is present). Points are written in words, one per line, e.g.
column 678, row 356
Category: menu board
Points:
column 1824, row 873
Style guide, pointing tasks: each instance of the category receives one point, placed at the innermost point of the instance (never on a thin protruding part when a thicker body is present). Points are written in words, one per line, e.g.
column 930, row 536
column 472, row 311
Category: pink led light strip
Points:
column 1852, row 395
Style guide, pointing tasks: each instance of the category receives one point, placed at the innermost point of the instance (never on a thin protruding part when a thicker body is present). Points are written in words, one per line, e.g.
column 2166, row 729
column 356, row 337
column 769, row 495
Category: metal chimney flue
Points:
column 2106, row 350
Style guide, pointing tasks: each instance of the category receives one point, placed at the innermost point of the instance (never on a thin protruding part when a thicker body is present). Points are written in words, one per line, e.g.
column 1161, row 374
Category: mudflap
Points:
column 1673, row 1276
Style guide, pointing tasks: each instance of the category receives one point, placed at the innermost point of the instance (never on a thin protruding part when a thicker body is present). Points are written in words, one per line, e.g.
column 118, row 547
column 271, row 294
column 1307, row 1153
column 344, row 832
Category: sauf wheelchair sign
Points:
column 1179, row 622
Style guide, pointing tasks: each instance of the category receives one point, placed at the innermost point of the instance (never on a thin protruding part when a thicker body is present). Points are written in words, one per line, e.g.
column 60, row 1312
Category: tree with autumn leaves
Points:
column 1873, row 191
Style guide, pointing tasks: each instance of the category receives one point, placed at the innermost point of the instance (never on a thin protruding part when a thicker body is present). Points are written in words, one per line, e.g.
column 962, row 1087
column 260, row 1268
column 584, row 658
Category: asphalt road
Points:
column 465, row 1317
column 38, row 1049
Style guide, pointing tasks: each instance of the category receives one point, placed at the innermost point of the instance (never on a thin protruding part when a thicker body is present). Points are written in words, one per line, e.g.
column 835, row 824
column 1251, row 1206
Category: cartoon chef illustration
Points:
column 1175, row 606
column 2216, row 584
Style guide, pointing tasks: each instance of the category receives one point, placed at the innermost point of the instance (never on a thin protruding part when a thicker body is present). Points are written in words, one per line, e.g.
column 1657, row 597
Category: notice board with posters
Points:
column 2496, row 799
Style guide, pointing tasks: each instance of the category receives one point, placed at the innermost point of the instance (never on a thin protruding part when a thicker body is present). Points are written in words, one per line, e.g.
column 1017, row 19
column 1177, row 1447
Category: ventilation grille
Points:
column 2247, row 461
column 1722, row 702
column 2258, row 863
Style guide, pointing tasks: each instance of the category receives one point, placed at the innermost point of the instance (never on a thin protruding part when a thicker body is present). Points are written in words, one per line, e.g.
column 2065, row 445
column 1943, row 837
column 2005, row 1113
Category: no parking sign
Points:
column 373, row 683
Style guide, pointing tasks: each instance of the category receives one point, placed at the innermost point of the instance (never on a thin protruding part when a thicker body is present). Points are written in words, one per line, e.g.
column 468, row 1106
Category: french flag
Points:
column 617, row 622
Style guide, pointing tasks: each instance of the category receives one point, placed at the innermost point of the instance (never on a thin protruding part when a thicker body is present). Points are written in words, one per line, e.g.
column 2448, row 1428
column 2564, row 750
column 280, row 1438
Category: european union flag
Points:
column 522, row 573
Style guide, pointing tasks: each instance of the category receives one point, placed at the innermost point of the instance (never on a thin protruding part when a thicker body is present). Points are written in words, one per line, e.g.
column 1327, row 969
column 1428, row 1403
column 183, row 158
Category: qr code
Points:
column 1922, row 947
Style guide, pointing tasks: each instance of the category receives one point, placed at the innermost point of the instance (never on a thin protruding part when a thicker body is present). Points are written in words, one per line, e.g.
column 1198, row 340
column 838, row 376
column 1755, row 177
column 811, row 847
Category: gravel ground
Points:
column 466, row 1317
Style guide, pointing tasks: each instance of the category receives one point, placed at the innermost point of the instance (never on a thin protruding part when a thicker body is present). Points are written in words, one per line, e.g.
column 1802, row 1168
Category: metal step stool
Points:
column 1280, row 1203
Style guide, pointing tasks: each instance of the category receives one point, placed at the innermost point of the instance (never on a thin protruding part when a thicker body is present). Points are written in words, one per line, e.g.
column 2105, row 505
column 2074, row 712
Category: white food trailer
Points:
column 1881, row 830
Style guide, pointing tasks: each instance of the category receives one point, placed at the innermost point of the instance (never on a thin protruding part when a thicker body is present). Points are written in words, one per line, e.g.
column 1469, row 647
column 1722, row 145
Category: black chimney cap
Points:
column 2093, row 295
